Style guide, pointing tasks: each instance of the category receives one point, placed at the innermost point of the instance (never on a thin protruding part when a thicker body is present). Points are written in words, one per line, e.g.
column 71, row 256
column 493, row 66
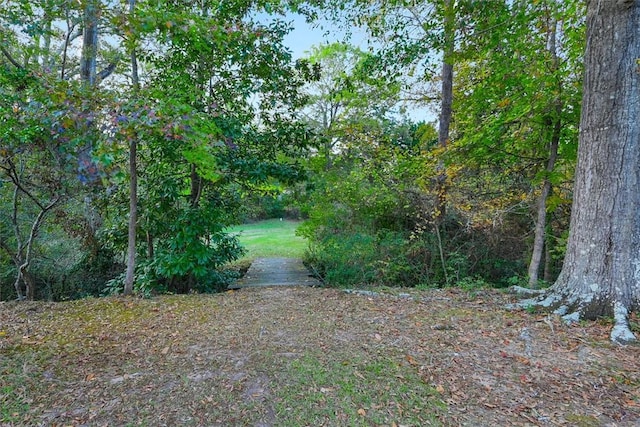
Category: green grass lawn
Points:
column 271, row 238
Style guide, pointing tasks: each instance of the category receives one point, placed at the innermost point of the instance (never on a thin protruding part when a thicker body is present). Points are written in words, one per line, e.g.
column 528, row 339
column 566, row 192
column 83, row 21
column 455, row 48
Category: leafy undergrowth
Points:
column 309, row 357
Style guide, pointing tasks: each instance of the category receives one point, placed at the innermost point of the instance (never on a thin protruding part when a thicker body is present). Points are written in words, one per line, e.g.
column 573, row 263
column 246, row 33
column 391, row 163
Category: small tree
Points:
column 345, row 96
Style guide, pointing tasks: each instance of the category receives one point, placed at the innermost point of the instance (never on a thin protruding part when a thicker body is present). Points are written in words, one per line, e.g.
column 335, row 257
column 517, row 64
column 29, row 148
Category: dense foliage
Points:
column 194, row 102
column 503, row 176
column 156, row 125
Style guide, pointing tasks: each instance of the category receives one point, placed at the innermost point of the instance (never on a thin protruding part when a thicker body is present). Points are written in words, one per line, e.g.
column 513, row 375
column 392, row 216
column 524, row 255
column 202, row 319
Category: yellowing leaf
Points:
column 504, row 102
column 411, row 360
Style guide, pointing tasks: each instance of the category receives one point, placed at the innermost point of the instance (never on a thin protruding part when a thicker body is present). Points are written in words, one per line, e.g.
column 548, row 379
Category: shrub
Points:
column 355, row 259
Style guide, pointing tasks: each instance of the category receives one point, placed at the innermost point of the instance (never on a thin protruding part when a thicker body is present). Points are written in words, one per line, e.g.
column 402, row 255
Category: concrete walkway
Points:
column 276, row 272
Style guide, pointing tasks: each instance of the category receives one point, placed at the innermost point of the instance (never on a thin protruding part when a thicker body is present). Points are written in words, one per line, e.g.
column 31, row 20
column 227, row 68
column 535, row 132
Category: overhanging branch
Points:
column 6, row 53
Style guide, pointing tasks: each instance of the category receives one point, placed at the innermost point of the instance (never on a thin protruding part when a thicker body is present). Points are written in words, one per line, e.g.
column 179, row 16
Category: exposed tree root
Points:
column 572, row 308
column 519, row 290
column 621, row 332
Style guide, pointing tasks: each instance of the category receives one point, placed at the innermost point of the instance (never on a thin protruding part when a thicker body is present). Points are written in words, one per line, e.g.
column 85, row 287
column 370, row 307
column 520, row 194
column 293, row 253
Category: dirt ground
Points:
column 289, row 356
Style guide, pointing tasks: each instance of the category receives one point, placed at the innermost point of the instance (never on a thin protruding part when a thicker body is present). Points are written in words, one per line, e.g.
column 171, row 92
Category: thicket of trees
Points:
column 486, row 196
column 152, row 117
column 134, row 132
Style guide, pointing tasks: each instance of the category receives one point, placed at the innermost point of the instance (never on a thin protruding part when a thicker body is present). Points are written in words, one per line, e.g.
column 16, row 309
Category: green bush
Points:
column 345, row 260
column 89, row 276
column 371, row 221
column 356, row 259
column 365, row 231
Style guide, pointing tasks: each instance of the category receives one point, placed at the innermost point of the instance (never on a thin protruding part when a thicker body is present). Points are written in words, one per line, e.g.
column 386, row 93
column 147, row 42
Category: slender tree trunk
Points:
column 556, row 124
column 24, row 253
column 548, row 259
column 133, row 218
column 447, row 103
column 538, row 241
column 19, row 245
column 150, row 251
column 46, row 48
column 67, row 42
column 24, row 244
column 133, row 180
column 541, row 220
column 601, row 271
column 444, row 125
column 196, row 187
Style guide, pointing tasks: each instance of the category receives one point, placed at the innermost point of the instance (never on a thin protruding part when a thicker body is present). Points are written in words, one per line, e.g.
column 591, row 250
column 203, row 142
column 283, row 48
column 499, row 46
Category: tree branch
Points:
column 12, row 173
column 10, row 58
column 106, row 72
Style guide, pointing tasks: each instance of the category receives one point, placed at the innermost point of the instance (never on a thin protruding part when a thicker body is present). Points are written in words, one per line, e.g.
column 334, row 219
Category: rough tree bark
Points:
column 601, row 271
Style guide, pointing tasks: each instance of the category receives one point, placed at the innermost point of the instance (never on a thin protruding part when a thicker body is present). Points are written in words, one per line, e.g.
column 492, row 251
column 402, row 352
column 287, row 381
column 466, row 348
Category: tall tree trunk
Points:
column 133, row 179
column 133, row 217
column 601, row 271
column 89, row 42
column 444, row 125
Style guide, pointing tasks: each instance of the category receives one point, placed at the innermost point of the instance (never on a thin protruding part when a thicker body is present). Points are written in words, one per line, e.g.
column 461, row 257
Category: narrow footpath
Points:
column 276, row 272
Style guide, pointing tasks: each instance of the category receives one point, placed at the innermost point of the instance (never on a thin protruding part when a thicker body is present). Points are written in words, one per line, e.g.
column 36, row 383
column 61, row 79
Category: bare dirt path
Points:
column 276, row 272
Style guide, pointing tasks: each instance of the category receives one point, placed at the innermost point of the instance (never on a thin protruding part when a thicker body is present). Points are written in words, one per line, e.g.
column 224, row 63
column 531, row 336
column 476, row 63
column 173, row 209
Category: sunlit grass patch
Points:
column 271, row 238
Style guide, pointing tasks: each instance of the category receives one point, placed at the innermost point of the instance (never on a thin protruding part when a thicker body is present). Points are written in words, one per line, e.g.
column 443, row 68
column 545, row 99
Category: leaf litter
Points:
column 308, row 356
